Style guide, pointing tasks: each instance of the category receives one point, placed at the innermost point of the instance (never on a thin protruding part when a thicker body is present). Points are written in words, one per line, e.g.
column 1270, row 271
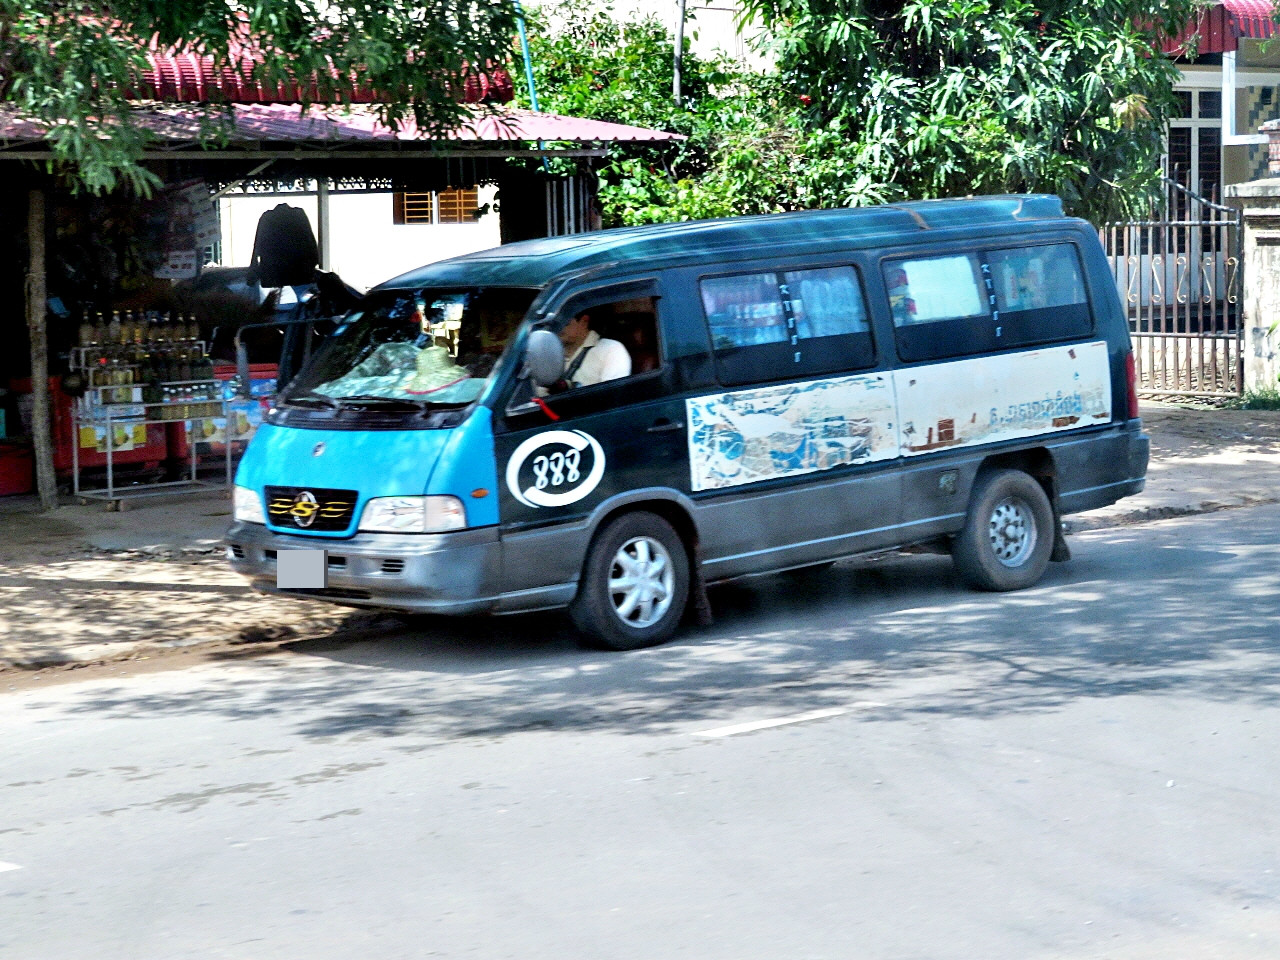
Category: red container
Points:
column 179, row 449
column 150, row 453
column 17, row 469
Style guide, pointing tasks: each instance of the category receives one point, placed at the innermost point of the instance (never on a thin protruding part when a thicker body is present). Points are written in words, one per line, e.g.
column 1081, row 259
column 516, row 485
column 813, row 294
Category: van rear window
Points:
column 958, row 305
column 773, row 326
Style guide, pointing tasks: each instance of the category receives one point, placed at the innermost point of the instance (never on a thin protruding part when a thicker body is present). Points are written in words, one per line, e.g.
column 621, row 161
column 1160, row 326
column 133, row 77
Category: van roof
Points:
column 532, row 263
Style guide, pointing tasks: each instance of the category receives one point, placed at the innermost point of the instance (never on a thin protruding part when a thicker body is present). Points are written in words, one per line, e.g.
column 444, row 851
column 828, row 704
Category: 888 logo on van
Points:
column 555, row 468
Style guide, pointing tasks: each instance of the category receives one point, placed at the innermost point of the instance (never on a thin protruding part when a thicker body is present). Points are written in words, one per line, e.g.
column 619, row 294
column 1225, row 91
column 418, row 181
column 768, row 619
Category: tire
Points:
column 635, row 584
column 1008, row 533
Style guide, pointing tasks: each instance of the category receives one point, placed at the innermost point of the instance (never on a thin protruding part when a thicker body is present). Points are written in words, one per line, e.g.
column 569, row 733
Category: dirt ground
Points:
column 1192, row 432
column 67, row 605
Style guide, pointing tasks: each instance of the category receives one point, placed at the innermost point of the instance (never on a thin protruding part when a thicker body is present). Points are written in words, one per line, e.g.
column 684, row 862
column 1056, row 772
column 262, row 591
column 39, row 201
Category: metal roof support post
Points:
column 324, row 238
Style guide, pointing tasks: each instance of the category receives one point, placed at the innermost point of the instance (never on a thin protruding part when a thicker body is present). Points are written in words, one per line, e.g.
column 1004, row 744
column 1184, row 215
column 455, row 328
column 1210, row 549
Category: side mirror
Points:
column 243, row 376
column 544, row 358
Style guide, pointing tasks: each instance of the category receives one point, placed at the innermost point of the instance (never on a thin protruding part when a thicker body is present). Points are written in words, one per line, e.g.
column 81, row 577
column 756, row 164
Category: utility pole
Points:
column 679, row 51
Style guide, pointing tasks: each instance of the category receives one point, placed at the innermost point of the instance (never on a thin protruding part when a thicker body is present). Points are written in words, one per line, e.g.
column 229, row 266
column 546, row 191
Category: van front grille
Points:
column 311, row 509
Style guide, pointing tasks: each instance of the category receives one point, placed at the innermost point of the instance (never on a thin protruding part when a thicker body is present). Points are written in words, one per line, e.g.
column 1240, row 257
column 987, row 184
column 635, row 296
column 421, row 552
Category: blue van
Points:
column 740, row 396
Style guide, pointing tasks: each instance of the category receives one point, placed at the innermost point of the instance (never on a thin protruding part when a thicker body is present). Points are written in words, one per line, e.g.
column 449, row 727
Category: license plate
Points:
column 302, row 569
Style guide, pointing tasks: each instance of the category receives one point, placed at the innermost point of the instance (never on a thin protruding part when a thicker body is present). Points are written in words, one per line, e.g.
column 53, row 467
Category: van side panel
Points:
column 797, row 523
column 783, row 437
column 1007, row 396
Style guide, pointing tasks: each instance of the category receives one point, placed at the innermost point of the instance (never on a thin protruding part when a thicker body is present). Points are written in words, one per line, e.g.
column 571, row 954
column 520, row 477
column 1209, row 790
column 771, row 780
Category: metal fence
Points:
column 1179, row 276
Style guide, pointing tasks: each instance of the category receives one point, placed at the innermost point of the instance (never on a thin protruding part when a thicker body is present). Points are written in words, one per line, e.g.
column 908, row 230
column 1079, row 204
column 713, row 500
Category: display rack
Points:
column 109, row 406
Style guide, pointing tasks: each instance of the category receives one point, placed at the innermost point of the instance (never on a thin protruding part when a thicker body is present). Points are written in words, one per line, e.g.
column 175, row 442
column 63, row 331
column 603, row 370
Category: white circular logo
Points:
column 555, row 468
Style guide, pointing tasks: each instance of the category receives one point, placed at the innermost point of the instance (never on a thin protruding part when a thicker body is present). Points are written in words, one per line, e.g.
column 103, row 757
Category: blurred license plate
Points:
column 302, row 569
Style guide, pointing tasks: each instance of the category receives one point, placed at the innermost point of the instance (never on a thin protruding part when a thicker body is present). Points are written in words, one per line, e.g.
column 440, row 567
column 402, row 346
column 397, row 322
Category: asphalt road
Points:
column 868, row 763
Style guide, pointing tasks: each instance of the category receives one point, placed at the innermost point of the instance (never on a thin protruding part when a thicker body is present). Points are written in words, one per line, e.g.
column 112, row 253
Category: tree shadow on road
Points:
column 1137, row 613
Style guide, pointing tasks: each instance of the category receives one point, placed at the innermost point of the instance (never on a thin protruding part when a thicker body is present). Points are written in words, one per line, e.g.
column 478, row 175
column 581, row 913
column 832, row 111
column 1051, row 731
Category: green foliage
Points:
column 739, row 156
column 872, row 101
column 1266, row 398
column 70, row 66
column 936, row 98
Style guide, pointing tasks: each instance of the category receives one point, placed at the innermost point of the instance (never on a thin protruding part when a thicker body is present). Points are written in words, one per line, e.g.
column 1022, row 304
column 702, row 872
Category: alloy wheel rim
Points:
column 1012, row 529
column 641, row 582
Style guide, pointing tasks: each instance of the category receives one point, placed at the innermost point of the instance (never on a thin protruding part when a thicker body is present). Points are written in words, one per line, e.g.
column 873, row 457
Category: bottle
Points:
column 86, row 331
column 114, row 327
column 184, row 364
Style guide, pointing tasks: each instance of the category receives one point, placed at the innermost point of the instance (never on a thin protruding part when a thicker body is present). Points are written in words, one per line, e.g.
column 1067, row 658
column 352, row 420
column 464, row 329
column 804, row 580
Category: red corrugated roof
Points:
column 283, row 123
column 1221, row 26
column 192, row 78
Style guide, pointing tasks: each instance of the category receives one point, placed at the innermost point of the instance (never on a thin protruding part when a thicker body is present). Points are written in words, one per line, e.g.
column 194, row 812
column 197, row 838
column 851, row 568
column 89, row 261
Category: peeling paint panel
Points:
column 1006, row 397
column 744, row 436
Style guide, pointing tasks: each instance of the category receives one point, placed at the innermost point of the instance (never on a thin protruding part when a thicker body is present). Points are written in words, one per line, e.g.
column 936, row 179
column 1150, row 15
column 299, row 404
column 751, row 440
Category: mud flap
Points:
column 700, row 602
column 1061, row 552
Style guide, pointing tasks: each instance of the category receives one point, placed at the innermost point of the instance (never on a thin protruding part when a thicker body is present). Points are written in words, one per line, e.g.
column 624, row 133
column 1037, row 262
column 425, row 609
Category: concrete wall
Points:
column 365, row 246
column 1260, row 202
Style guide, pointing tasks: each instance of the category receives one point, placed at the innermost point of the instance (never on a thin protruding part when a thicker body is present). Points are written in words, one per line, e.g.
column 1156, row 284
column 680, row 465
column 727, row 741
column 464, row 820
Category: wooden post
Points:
column 37, row 300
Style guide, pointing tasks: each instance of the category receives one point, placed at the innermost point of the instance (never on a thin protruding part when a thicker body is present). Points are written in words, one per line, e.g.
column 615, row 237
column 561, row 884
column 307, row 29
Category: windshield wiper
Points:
column 373, row 399
column 310, row 396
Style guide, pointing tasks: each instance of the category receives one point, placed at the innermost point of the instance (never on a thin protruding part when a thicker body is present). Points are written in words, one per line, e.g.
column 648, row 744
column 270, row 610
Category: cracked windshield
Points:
column 430, row 346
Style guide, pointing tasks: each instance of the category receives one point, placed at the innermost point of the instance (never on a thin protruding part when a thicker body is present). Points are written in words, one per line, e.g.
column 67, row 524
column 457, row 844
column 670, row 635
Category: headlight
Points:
column 248, row 506
column 413, row 515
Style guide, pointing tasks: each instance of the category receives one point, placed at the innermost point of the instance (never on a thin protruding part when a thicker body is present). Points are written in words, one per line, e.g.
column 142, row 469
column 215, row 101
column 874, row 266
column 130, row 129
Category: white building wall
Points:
column 365, row 247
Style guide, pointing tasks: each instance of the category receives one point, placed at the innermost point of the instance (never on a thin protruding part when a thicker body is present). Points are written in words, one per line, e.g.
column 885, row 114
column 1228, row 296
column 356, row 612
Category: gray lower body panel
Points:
column 792, row 524
column 448, row 573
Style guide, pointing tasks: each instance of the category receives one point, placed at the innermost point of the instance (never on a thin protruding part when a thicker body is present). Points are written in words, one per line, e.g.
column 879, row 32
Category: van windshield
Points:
column 414, row 347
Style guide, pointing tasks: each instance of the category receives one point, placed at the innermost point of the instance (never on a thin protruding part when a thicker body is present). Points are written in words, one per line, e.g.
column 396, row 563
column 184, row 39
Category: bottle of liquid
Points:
column 86, row 331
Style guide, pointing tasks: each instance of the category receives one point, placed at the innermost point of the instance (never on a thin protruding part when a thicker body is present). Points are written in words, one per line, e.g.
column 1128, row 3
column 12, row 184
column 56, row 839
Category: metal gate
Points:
column 572, row 205
column 1179, row 276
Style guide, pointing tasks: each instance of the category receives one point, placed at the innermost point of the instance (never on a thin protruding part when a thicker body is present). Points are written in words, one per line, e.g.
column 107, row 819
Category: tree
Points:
column 73, row 65
column 738, row 157
column 933, row 98
column 870, row 101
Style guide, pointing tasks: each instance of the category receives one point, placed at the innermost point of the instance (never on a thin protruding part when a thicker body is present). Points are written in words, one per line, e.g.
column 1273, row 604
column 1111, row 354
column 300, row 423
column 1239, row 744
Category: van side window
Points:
column 939, row 306
column 744, row 311
column 959, row 305
column 1040, row 295
column 772, row 326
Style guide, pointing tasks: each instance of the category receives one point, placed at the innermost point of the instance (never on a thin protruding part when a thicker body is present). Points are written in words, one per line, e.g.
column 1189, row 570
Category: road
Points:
column 867, row 763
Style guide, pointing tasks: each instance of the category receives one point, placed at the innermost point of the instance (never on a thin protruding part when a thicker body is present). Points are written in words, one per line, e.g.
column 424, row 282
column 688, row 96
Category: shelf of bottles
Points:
column 157, row 360
column 142, row 368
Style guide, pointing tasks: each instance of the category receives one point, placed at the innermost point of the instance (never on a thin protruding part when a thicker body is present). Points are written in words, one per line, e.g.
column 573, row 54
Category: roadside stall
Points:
column 141, row 387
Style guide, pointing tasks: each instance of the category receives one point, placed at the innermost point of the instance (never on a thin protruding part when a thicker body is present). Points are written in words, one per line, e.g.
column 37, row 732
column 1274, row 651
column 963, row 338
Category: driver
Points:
column 589, row 357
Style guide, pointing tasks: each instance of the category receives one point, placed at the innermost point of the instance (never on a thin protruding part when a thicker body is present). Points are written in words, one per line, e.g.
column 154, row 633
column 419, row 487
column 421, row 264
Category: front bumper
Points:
column 454, row 573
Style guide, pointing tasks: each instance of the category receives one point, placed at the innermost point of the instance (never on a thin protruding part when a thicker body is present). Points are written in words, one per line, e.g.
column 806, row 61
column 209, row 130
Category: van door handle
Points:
column 664, row 426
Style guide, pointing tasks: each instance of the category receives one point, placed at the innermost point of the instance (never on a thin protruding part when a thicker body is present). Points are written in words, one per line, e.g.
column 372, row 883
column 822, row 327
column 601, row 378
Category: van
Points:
column 785, row 391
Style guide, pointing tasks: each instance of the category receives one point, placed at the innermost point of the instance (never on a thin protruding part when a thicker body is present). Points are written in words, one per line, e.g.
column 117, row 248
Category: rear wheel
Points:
column 635, row 584
column 1008, row 533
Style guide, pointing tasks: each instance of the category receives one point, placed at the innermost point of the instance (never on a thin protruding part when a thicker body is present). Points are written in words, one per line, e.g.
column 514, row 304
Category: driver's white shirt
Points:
column 608, row 360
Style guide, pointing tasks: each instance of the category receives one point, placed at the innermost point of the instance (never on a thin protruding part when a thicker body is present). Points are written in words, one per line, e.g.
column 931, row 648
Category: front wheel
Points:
column 1008, row 533
column 635, row 584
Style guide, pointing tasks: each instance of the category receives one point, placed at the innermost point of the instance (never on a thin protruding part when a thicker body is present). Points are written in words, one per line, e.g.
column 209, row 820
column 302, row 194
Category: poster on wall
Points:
column 191, row 225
